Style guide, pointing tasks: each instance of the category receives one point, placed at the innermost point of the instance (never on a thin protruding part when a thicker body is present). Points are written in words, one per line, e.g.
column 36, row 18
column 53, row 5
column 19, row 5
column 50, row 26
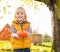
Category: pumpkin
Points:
column 22, row 34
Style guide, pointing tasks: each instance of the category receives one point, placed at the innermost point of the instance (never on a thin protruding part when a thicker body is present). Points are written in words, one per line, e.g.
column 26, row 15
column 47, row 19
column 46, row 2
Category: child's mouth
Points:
column 19, row 17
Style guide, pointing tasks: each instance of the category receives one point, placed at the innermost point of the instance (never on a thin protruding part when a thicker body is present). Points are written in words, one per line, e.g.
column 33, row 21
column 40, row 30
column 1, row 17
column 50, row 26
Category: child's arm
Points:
column 14, row 33
column 29, row 31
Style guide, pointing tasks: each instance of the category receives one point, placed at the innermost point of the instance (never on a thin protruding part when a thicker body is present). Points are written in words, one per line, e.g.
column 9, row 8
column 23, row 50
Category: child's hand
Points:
column 22, row 34
column 14, row 35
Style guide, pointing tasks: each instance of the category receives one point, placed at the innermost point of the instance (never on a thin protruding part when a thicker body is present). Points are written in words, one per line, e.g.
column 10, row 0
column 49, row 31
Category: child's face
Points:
column 20, row 15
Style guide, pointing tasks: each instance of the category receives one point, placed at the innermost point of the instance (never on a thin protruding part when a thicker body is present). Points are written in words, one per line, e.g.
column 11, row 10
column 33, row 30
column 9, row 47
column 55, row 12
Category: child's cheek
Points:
column 17, row 16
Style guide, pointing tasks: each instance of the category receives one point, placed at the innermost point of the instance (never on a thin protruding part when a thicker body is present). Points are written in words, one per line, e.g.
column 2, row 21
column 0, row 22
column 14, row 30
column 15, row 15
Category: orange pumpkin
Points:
column 22, row 34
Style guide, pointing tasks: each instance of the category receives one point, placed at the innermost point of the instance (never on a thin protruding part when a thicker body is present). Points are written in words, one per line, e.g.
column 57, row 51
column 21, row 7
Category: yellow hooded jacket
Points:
column 21, row 43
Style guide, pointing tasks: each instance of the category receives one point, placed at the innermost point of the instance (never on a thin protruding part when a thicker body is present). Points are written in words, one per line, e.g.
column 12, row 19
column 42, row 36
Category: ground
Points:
column 45, row 47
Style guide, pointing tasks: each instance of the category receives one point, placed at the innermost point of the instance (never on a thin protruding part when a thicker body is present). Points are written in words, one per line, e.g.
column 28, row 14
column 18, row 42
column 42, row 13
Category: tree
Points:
column 54, row 6
column 47, row 38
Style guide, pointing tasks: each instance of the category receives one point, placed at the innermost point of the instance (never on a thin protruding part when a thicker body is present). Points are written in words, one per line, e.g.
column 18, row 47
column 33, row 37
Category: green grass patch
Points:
column 45, row 47
column 47, row 43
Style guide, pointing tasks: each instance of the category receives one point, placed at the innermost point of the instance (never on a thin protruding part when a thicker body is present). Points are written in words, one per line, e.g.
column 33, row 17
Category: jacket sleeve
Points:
column 29, row 30
column 13, row 31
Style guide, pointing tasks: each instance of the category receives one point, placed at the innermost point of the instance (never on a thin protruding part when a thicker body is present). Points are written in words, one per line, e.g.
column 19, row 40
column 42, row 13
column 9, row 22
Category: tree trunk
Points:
column 56, row 34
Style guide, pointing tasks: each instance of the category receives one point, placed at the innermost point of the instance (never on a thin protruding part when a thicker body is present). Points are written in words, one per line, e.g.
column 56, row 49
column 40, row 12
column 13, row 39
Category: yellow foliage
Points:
column 27, row 0
column 1, row 0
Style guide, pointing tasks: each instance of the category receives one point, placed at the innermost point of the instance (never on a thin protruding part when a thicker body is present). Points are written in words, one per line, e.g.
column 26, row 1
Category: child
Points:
column 20, row 26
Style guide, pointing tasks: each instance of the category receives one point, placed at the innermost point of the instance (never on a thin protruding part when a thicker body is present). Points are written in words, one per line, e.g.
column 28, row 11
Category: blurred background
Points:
column 40, row 17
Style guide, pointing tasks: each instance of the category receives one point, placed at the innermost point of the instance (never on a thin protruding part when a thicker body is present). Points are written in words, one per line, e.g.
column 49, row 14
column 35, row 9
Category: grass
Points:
column 45, row 47
column 47, row 43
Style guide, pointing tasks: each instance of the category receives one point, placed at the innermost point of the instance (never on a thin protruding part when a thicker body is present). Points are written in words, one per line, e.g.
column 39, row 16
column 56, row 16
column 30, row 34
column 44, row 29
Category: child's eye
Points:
column 18, row 13
column 22, row 13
